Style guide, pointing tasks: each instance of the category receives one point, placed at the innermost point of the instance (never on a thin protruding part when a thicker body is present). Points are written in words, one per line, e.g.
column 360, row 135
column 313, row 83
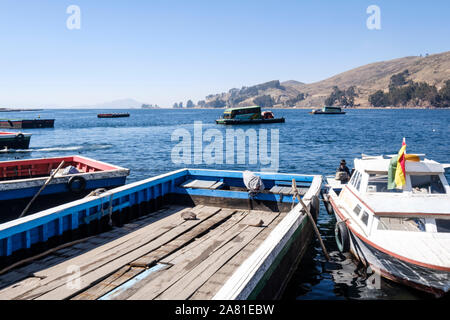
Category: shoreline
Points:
column 198, row 108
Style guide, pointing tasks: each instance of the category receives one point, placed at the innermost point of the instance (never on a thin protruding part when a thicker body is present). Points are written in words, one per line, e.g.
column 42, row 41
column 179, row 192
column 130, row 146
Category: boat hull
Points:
column 115, row 115
column 389, row 266
column 249, row 121
column 15, row 142
column 27, row 124
column 322, row 112
column 285, row 263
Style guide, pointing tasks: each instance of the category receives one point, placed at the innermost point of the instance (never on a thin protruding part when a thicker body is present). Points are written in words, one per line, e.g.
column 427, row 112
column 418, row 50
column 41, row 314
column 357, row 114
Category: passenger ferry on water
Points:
column 403, row 233
column 248, row 115
column 328, row 110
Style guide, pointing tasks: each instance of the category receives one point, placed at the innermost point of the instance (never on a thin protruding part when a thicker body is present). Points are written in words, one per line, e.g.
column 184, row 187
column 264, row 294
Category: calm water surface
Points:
column 307, row 144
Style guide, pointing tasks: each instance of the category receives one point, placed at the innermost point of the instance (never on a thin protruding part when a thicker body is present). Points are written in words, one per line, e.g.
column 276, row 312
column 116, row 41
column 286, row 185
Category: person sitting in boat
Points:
column 343, row 172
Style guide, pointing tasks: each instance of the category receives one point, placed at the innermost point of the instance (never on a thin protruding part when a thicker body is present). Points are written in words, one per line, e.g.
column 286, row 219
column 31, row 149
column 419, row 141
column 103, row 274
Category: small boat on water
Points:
column 113, row 115
column 394, row 217
column 21, row 180
column 187, row 234
column 27, row 124
column 248, row 115
column 13, row 140
column 328, row 110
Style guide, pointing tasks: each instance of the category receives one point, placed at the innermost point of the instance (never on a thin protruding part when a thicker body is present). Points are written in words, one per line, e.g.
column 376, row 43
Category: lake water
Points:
column 306, row 144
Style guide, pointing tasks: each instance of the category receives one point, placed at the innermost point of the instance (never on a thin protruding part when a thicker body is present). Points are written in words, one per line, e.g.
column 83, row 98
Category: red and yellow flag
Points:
column 400, row 172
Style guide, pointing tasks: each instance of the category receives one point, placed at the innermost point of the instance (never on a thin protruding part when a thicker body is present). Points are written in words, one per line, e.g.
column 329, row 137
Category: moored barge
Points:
column 27, row 124
column 113, row 115
column 189, row 234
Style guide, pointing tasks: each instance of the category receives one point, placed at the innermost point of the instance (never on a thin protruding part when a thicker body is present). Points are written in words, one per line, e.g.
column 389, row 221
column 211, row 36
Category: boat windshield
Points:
column 378, row 182
column 427, row 184
column 443, row 225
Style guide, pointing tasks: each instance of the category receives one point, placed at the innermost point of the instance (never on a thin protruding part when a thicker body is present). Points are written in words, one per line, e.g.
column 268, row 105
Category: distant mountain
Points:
column 116, row 104
column 432, row 69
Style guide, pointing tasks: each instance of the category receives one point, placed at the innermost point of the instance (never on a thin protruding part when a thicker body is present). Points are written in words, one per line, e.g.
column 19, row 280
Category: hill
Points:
column 432, row 69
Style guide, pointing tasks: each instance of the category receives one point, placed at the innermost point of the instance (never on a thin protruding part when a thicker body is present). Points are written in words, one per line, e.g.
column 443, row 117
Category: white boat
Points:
column 403, row 235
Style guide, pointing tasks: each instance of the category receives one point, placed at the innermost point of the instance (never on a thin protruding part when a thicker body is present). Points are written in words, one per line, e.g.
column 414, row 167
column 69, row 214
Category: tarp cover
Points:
column 253, row 183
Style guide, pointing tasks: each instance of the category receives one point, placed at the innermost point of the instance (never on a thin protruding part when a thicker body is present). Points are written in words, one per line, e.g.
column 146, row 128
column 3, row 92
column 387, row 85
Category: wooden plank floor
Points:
column 162, row 256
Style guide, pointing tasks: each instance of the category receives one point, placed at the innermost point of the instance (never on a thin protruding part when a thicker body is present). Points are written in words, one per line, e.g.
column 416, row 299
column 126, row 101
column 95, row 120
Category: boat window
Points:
column 357, row 209
column 443, row 225
column 401, row 224
column 365, row 218
column 427, row 184
column 352, row 179
column 358, row 182
column 379, row 183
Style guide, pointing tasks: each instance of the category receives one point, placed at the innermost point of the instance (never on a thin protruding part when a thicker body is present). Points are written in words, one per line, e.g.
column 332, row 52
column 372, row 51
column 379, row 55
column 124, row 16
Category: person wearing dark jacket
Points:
column 343, row 168
column 343, row 172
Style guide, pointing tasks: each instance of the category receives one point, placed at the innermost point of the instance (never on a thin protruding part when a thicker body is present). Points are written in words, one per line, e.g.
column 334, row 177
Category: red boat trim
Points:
column 362, row 238
column 35, row 167
column 380, row 213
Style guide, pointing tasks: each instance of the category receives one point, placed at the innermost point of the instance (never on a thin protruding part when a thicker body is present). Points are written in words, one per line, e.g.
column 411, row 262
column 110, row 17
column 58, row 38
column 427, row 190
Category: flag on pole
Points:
column 397, row 168
column 400, row 172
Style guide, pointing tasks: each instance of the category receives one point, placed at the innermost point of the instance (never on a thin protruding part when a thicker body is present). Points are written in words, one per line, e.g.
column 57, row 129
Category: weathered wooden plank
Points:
column 178, row 256
column 56, row 275
column 88, row 279
column 199, row 184
column 181, row 241
column 205, row 247
column 99, row 289
column 190, row 260
column 118, row 278
column 200, row 273
column 218, row 279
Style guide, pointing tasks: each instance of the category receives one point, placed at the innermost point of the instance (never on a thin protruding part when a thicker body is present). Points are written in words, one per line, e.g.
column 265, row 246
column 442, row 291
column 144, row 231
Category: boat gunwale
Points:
column 246, row 278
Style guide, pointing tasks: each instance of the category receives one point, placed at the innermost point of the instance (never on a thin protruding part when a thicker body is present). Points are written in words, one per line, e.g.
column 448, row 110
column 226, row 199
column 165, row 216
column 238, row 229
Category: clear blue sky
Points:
column 169, row 51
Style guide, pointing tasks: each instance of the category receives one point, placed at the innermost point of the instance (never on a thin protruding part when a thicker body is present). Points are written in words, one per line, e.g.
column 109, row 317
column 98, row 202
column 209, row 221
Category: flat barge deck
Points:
column 186, row 245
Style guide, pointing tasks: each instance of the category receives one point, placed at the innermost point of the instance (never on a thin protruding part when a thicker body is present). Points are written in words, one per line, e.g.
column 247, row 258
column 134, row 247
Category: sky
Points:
column 162, row 52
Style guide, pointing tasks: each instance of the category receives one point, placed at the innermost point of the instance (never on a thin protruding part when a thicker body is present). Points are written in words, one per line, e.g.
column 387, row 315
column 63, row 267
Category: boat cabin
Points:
column 243, row 113
column 423, row 205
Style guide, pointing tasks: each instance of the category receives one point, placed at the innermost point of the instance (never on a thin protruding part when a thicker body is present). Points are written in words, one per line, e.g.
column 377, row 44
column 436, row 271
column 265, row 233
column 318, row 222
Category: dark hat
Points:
column 343, row 161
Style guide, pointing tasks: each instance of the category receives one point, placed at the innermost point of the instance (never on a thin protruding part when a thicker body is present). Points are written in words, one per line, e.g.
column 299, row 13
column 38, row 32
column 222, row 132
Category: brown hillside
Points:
column 433, row 69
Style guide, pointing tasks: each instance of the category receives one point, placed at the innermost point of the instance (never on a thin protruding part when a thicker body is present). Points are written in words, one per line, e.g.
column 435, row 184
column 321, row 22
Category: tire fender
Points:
column 82, row 184
column 342, row 237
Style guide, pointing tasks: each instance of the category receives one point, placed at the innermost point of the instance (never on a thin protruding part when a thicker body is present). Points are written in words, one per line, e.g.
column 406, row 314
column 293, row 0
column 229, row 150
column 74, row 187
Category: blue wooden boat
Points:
column 188, row 234
column 20, row 180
